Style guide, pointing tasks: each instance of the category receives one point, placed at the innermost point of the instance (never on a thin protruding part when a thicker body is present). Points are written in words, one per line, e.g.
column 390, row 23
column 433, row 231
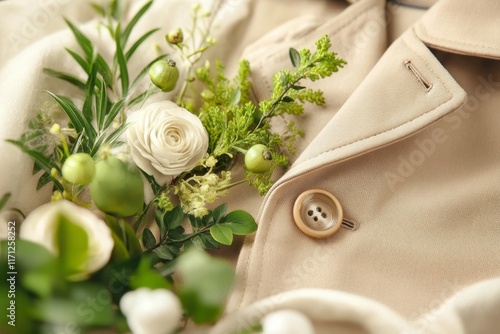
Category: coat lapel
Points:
column 405, row 92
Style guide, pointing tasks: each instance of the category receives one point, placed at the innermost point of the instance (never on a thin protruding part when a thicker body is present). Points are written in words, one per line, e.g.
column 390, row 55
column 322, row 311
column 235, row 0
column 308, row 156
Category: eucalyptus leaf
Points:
column 219, row 212
column 174, row 218
column 222, row 233
column 294, row 57
column 148, row 239
column 240, row 222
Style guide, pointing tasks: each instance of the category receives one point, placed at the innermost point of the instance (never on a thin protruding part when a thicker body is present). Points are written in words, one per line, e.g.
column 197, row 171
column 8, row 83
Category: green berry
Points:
column 164, row 75
column 258, row 159
column 117, row 188
column 79, row 168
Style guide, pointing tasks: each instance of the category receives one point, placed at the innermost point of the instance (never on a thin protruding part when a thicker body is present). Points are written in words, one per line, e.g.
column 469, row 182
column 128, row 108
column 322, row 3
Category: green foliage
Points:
column 206, row 283
column 234, row 123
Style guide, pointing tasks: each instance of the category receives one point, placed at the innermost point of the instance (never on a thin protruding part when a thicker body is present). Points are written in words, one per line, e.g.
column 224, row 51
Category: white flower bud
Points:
column 287, row 322
column 151, row 311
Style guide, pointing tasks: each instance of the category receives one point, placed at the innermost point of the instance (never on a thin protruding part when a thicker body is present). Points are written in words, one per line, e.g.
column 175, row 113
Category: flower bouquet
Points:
column 139, row 185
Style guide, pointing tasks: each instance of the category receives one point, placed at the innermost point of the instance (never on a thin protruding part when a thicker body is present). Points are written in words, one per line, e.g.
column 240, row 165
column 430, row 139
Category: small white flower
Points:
column 41, row 227
column 166, row 140
column 287, row 322
column 151, row 311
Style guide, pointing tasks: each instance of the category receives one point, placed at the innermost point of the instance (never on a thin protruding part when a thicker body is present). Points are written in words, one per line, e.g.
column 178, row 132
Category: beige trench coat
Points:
column 407, row 144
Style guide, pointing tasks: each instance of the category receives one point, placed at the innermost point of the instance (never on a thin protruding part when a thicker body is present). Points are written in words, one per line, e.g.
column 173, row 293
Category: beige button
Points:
column 317, row 213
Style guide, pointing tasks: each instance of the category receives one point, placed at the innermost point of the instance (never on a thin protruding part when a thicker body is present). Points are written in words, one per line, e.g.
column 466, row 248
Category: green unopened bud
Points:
column 53, row 173
column 164, row 75
column 258, row 159
column 79, row 168
column 175, row 36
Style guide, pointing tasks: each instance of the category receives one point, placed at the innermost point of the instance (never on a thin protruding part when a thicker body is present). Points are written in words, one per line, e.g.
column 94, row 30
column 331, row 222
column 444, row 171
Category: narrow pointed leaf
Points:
column 104, row 70
column 89, row 96
column 79, row 59
column 133, row 22
column 82, row 40
column 66, row 77
column 4, row 200
column 115, row 109
column 138, row 43
column 101, row 105
column 122, row 62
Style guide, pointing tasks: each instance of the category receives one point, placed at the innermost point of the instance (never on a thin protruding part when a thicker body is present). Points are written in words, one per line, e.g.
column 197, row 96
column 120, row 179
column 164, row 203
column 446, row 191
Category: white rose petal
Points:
column 151, row 311
column 166, row 140
column 287, row 322
column 41, row 224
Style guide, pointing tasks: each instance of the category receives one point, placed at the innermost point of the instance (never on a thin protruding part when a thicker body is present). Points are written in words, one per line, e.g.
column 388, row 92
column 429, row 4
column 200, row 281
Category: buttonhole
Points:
column 423, row 81
column 350, row 224
column 310, row 213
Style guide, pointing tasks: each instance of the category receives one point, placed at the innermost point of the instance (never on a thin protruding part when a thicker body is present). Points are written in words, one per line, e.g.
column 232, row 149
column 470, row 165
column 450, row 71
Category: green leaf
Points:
column 167, row 252
column 138, row 43
column 159, row 214
column 294, row 57
column 115, row 109
column 240, row 222
column 206, row 282
column 222, row 233
column 4, row 200
column 98, row 8
column 79, row 59
column 148, row 238
column 208, row 241
column 72, row 245
column 287, row 99
column 89, row 96
column 104, row 70
column 219, row 212
column 147, row 277
column 66, row 77
column 82, row 40
column 128, row 29
column 235, row 97
column 101, row 105
column 120, row 252
column 60, row 310
column 44, row 180
column 79, row 122
column 37, row 265
column 122, row 62
column 174, row 218
column 296, row 87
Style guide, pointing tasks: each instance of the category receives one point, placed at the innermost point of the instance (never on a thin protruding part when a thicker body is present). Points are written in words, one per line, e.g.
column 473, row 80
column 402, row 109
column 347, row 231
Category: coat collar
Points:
column 408, row 89
column 465, row 27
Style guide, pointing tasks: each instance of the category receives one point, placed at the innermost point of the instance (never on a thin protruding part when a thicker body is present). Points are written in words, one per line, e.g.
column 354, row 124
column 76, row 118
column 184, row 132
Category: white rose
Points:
column 151, row 311
column 287, row 322
column 41, row 227
column 166, row 140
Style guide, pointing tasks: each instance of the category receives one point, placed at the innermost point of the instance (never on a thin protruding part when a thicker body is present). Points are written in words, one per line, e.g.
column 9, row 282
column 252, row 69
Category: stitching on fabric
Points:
column 426, row 32
column 247, row 263
column 273, row 208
